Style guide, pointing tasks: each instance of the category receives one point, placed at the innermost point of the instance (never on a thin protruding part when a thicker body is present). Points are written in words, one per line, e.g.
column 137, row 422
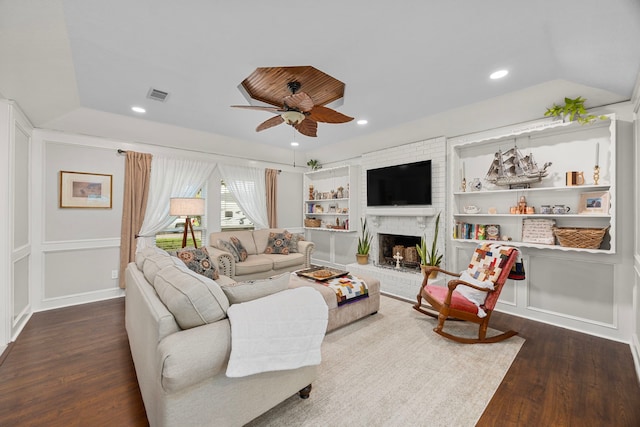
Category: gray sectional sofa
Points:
column 180, row 340
column 181, row 369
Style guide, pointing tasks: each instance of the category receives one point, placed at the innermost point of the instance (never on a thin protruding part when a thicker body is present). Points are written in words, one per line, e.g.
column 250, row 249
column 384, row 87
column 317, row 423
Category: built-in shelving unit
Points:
column 569, row 147
column 330, row 199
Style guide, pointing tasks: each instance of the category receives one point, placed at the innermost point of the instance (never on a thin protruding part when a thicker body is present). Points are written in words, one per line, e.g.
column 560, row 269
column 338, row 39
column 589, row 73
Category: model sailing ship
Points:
column 515, row 170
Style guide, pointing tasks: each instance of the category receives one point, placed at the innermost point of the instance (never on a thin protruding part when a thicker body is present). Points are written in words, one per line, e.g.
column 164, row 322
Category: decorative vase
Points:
column 362, row 258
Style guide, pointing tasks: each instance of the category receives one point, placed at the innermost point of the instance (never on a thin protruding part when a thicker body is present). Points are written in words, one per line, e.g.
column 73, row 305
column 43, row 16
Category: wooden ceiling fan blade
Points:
column 327, row 115
column 300, row 101
column 269, row 123
column 307, row 127
column 259, row 108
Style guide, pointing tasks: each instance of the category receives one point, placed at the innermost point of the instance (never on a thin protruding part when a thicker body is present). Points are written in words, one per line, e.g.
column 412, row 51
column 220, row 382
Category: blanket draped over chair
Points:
column 277, row 332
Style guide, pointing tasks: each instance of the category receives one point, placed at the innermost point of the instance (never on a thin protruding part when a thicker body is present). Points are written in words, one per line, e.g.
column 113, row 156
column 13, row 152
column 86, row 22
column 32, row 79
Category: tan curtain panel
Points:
column 271, row 178
column 136, row 193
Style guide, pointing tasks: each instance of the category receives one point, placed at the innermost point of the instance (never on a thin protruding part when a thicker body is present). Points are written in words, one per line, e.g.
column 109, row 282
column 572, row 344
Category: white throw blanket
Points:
column 278, row 332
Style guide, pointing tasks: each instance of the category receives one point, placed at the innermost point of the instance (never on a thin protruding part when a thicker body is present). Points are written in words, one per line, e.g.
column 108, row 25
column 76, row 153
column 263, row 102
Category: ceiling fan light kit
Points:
column 280, row 87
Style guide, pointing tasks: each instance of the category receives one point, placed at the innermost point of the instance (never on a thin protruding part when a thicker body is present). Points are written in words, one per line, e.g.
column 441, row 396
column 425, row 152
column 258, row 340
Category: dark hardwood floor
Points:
column 72, row 367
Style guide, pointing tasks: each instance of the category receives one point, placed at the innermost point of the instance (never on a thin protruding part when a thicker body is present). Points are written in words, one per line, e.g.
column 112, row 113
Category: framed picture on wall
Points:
column 594, row 203
column 85, row 190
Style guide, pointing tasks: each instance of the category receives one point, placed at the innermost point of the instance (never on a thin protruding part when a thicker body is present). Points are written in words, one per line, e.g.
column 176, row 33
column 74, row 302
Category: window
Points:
column 170, row 238
column 231, row 216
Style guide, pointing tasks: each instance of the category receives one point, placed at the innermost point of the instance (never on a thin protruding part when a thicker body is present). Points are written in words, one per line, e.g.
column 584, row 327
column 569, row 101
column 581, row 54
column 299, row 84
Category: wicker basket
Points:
column 312, row 222
column 585, row 238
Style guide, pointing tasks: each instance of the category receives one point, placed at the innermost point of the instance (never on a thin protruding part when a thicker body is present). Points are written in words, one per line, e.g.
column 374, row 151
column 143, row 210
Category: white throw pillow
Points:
column 475, row 296
column 253, row 289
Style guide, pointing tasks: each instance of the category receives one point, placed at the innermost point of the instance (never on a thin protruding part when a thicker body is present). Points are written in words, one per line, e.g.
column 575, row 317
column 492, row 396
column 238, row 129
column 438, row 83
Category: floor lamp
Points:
column 187, row 207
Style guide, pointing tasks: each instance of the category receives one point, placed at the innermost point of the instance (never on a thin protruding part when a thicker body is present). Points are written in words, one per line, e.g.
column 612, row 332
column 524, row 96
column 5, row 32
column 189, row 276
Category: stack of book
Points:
column 464, row 230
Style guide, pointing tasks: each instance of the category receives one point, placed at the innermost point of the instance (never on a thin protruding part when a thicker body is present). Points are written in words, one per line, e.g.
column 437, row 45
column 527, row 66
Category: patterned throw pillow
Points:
column 278, row 243
column 242, row 252
column 199, row 262
column 227, row 246
column 293, row 243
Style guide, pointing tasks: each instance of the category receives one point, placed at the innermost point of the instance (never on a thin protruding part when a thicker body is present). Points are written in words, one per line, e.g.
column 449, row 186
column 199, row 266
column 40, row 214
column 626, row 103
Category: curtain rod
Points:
column 121, row 151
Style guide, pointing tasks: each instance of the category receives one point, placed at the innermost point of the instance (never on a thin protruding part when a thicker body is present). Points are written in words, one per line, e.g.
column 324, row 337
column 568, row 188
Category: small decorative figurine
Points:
column 522, row 205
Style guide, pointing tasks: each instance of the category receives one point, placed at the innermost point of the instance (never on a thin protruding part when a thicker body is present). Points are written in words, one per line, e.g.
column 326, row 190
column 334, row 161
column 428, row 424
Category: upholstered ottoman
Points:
column 340, row 315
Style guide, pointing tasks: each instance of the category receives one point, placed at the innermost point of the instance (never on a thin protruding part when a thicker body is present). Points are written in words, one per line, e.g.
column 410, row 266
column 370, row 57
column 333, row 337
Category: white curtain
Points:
column 247, row 185
column 170, row 178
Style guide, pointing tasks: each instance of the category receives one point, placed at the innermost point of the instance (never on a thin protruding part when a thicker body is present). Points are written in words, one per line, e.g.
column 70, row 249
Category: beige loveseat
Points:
column 181, row 365
column 258, row 264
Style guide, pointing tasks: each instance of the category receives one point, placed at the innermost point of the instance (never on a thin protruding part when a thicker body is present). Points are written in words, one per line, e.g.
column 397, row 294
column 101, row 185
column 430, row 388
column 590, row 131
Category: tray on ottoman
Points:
column 321, row 273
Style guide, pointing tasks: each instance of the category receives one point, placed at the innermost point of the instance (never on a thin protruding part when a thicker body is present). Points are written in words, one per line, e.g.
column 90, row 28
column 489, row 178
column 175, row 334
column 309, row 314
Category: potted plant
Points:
column 314, row 164
column 430, row 258
column 364, row 243
column 573, row 109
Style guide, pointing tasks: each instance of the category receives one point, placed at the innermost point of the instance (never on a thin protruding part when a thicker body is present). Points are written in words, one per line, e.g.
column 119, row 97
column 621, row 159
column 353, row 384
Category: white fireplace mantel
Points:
column 421, row 214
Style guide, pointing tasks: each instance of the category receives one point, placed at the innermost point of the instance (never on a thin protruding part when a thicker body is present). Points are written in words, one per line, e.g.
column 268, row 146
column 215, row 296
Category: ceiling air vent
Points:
column 157, row 95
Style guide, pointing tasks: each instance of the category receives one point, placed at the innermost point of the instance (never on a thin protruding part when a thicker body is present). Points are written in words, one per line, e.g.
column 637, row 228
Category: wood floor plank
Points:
column 73, row 367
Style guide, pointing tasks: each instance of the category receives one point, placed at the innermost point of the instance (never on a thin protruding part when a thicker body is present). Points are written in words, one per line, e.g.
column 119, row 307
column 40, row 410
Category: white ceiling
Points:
column 401, row 62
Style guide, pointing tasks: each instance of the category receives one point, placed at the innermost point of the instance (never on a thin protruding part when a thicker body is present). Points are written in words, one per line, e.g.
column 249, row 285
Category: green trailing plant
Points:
column 314, row 164
column 573, row 109
column 430, row 257
column 364, row 241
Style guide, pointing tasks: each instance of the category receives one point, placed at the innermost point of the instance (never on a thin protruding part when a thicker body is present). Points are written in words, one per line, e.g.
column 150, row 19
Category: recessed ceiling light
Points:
column 498, row 74
column 362, row 122
column 294, row 144
column 138, row 109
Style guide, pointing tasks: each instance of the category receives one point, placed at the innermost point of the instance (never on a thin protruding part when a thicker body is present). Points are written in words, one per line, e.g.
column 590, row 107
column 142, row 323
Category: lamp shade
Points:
column 186, row 206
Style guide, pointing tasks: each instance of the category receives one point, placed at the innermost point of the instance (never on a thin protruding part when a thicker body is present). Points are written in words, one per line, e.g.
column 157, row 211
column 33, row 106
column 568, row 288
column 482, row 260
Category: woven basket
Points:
column 585, row 238
column 312, row 222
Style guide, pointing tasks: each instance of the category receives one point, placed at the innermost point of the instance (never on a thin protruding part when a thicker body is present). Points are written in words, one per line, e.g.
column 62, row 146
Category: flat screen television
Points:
column 401, row 185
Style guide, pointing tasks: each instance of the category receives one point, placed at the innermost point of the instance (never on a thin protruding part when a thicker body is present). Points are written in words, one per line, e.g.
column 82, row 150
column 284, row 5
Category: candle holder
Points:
column 464, row 185
column 596, row 175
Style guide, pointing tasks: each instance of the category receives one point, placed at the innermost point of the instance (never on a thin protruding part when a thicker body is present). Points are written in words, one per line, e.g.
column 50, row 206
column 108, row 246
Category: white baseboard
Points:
column 69, row 300
column 635, row 352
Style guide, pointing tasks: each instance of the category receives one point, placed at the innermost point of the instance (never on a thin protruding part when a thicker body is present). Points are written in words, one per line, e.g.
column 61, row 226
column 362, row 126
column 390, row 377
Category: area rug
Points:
column 391, row 369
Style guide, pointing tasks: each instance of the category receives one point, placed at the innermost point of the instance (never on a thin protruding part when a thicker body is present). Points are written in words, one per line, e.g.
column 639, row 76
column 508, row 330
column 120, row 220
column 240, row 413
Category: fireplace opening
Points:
column 391, row 244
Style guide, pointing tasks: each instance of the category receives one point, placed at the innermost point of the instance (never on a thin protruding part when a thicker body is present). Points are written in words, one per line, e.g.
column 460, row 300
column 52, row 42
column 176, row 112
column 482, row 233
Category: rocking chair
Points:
column 472, row 299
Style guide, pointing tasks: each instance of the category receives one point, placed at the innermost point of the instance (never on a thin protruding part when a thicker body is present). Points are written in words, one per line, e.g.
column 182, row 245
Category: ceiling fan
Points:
column 298, row 108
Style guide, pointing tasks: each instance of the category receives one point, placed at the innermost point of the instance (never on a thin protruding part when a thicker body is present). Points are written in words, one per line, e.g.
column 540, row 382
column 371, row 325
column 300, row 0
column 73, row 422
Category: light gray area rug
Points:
column 391, row 369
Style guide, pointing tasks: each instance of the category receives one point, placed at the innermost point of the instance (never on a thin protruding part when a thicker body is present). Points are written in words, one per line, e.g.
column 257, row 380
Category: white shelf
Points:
column 581, row 188
column 537, row 246
column 326, row 200
column 334, row 230
column 581, row 216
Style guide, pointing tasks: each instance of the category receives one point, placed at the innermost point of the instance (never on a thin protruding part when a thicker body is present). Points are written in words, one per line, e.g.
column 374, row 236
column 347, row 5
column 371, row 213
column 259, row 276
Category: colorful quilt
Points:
column 488, row 260
column 348, row 288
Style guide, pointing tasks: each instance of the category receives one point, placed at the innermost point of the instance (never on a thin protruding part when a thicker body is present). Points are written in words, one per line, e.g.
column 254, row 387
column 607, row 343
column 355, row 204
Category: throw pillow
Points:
column 278, row 243
column 154, row 263
column 194, row 300
column 293, row 243
column 254, row 289
column 198, row 260
column 228, row 247
column 242, row 252
column 475, row 296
